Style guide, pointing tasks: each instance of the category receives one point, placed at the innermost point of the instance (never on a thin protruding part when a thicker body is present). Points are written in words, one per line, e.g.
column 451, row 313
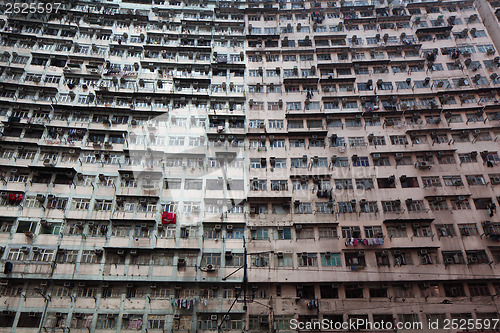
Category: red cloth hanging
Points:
column 12, row 197
column 168, row 218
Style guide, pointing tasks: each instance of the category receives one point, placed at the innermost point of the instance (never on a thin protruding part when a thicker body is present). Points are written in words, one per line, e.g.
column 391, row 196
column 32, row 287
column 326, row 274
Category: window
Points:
column 468, row 229
column 421, row 230
column 260, row 260
column 391, row 206
column 328, row 232
column 211, row 233
column 460, row 203
column 368, row 207
column 454, row 289
column 330, row 259
column 364, row 183
column 445, row 230
column 354, row 291
column 374, row 232
column 276, row 124
column 415, row 206
column 293, row 106
column 17, row 255
column 357, row 141
column 260, row 234
column 475, row 180
column 477, row 257
column 329, row 291
column 485, row 48
column 438, row 318
column 432, row 181
column 494, row 178
column 402, row 258
column 346, row 207
column 26, row 227
column 467, row 158
column 307, row 259
column 360, row 161
column 452, row 257
column 5, row 227
column 284, row 260
column 103, row 205
column 399, row 140
column 81, row 204
column 213, row 259
column 351, row 232
column 377, row 292
column 377, row 141
column 305, row 233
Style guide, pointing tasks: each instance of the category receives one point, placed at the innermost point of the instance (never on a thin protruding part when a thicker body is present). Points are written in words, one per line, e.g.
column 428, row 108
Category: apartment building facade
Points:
column 225, row 166
column 373, row 163
column 123, row 177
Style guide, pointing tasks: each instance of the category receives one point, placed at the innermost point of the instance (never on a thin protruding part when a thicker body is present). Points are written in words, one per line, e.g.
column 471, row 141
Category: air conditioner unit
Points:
column 397, row 252
column 213, row 317
column 449, row 261
column 67, row 284
column 133, row 252
column 210, row 268
column 35, row 249
column 120, row 252
column 181, row 261
column 376, row 157
column 423, row 251
column 423, row 165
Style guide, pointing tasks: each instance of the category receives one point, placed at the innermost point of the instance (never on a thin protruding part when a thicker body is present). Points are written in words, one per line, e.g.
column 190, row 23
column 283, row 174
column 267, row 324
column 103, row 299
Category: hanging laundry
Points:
column 168, row 218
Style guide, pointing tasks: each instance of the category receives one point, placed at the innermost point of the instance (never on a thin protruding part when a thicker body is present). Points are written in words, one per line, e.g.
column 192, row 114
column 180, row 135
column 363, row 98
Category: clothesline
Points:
column 364, row 241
